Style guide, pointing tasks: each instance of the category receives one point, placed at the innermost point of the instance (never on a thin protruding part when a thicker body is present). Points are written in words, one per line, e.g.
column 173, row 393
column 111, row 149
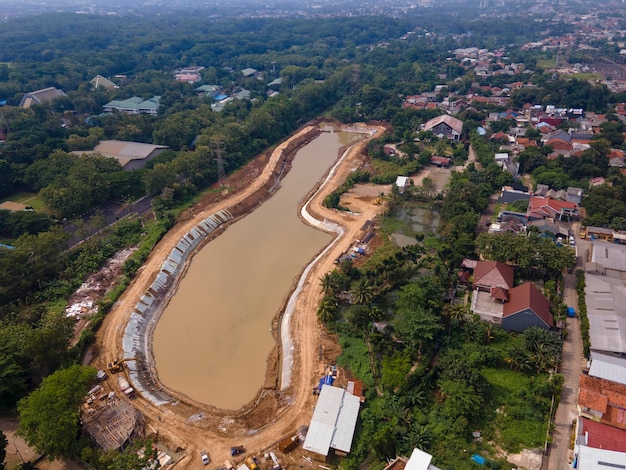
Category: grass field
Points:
column 354, row 355
column 510, row 392
column 546, row 63
column 30, row 199
column 586, row 76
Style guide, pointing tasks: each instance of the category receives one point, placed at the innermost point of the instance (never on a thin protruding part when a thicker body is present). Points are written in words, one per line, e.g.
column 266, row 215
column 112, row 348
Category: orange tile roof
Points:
column 593, row 400
column 527, row 296
column 493, row 274
column 606, row 397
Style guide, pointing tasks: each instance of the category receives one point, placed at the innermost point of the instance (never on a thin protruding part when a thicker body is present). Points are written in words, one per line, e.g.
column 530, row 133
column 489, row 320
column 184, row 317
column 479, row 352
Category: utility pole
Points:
column 556, row 64
column 221, row 174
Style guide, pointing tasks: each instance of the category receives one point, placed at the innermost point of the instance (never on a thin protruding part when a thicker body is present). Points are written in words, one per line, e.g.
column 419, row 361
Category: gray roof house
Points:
column 135, row 105
column 131, row 155
column 574, row 195
column 101, row 82
column 42, row 96
column 607, row 259
column 445, row 126
column 508, row 195
column 606, row 309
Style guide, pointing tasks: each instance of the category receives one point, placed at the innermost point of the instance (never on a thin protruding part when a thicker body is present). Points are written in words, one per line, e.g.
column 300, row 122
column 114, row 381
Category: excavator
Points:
column 118, row 364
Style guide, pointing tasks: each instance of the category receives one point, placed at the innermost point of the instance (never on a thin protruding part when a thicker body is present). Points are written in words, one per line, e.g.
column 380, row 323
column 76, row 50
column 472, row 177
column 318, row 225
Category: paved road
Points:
column 559, row 454
column 111, row 213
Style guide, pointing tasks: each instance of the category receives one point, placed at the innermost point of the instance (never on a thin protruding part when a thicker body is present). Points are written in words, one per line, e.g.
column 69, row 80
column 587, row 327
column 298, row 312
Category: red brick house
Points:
column 602, row 400
column 546, row 207
column 489, row 275
column 527, row 307
column 601, row 436
column 558, row 144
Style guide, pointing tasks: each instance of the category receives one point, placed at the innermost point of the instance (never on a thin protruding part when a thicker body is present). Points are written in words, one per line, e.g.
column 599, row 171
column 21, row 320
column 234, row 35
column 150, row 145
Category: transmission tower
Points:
column 221, row 174
column 556, row 64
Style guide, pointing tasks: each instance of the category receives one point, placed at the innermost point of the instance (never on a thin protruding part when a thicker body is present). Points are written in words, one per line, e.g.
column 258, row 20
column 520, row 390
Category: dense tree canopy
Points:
column 530, row 253
column 49, row 416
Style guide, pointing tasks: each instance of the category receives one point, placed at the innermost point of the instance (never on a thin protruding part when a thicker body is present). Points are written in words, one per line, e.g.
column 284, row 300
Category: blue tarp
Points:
column 326, row 380
column 479, row 459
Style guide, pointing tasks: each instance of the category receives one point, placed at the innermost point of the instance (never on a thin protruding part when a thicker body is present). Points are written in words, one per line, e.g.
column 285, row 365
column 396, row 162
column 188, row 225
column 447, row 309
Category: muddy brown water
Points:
column 213, row 339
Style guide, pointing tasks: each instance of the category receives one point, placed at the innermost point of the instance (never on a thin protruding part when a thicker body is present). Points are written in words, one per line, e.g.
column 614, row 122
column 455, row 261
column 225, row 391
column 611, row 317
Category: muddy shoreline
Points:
column 239, row 210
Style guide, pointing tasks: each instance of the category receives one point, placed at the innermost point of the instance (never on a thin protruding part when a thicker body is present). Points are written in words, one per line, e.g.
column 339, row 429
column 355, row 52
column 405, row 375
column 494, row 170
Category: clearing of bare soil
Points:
column 190, row 428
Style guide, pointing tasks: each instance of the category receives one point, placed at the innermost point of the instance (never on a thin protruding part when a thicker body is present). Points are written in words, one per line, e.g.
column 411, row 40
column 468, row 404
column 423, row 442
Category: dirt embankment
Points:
column 191, row 427
column 281, row 167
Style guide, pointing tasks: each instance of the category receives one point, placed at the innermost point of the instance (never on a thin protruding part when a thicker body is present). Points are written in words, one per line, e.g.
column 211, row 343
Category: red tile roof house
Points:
column 559, row 144
column 600, row 436
column 440, row 161
column 527, row 307
column 602, row 400
column 489, row 275
column 546, row 207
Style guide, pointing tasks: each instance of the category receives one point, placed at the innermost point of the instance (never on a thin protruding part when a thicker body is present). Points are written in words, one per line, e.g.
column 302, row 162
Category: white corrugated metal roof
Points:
column 402, row 181
column 609, row 255
column 333, row 421
column 318, row 437
column 346, row 422
column 419, row 460
column 606, row 309
column 607, row 366
column 590, row 458
column 123, row 149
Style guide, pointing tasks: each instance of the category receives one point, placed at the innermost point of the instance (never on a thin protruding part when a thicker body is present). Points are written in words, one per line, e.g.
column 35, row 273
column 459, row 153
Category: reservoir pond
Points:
column 213, row 339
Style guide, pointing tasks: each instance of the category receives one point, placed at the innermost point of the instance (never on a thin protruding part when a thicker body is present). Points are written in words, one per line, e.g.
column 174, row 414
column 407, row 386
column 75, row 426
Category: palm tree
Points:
column 418, row 436
column 329, row 284
column 327, row 310
column 518, row 359
column 545, row 358
column 532, row 338
column 458, row 312
column 363, row 293
column 488, row 328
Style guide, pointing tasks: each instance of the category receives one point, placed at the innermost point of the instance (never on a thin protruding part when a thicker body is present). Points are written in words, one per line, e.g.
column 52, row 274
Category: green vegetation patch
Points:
column 355, row 356
column 519, row 422
column 386, row 250
column 586, row 76
column 432, row 243
column 30, row 199
column 545, row 63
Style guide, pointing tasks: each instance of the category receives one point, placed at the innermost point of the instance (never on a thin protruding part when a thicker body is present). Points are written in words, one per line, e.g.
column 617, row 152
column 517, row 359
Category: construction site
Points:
column 110, row 420
column 275, row 415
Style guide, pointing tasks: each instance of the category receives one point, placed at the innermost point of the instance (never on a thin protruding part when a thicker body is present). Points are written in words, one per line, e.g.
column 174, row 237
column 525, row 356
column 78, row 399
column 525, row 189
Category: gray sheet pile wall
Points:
column 136, row 340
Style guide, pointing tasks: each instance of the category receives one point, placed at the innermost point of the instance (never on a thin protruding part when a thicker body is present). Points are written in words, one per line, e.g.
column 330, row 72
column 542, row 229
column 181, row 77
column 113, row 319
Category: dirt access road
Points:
column 190, row 427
